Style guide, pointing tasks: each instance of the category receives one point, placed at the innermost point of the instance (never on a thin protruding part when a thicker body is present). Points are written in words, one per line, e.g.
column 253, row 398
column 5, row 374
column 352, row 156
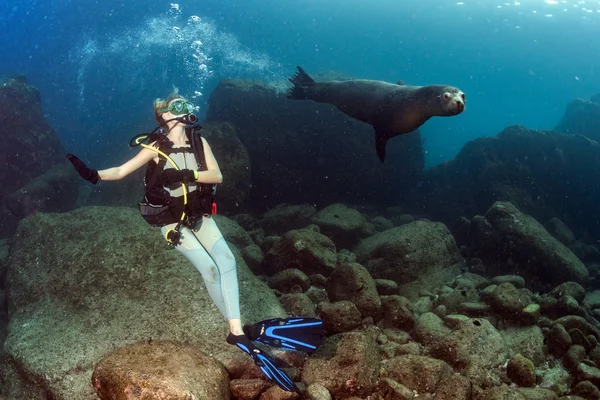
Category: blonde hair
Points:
column 161, row 103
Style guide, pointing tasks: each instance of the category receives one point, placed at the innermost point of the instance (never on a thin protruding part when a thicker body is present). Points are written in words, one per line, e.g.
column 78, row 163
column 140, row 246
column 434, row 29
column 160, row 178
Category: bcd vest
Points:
column 158, row 207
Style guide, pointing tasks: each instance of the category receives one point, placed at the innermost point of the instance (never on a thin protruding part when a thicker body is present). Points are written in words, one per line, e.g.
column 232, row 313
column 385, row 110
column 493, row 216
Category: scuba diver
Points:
column 180, row 183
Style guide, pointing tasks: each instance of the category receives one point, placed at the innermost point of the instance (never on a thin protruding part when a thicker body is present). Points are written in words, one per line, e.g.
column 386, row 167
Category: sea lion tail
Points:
column 303, row 86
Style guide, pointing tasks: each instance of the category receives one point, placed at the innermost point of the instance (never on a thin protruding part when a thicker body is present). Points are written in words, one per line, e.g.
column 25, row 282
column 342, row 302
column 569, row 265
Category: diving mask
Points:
column 178, row 107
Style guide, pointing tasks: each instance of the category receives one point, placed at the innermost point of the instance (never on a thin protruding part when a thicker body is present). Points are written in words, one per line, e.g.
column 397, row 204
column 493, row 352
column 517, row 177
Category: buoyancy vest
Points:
column 165, row 205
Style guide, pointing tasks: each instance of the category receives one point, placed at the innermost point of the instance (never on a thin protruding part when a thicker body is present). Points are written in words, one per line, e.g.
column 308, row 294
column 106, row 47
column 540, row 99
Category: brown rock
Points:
column 161, row 369
column 521, row 371
column 346, row 364
column 419, row 373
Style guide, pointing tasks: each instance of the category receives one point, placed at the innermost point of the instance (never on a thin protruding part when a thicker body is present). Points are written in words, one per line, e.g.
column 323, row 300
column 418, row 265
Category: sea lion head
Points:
column 453, row 100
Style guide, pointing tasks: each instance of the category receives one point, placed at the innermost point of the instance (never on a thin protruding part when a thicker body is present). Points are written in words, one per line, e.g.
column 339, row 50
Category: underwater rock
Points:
column 34, row 174
column 306, row 152
column 298, row 304
column 390, row 389
column 287, row 280
column 317, row 295
column 254, row 257
column 559, row 179
column 381, row 223
column 418, row 256
column 284, row 218
column 454, row 387
column 304, row 249
column 430, row 329
column 234, row 162
column 537, row 393
column 475, row 349
column 587, row 390
column 499, row 393
column 575, row 355
column 341, row 316
column 514, row 280
column 559, row 230
column 160, row 369
column 513, row 242
column 419, row 373
column 397, row 312
column 232, row 232
column 572, row 289
column 581, row 117
column 526, row 340
column 101, row 287
column 508, row 301
column 340, row 223
column 248, row 388
column 346, row 364
column 386, row 287
column 521, row 371
column 352, row 282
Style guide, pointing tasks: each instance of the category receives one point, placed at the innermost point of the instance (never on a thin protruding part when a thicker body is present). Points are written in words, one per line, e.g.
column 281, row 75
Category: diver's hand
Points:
column 171, row 176
column 90, row 175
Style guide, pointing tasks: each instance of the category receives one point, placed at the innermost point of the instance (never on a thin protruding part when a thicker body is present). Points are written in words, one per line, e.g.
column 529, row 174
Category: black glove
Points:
column 90, row 175
column 171, row 176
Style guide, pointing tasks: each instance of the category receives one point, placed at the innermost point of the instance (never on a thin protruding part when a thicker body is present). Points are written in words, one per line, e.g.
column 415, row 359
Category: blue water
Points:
column 99, row 65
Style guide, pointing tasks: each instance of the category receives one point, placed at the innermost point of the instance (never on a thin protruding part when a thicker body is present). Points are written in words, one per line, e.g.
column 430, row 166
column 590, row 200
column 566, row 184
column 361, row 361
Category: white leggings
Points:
column 206, row 248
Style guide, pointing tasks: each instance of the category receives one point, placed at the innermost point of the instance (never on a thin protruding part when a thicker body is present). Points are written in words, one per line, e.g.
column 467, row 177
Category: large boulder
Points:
column 418, row 255
column 545, row 174
column 303, row 151
column 303, row 249
column 160, row 370
column 581, row 117
column 35, row 175
column 85, row 283
column 511, row 242
column 475, row 349
column 347, row 364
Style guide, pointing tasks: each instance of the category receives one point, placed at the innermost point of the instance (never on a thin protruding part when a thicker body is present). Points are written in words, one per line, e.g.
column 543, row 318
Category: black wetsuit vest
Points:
column 158, row 207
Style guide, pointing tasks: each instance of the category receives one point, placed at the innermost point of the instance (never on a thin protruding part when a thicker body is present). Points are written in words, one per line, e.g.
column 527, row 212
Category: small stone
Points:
column 316, row 391
column 559, row 340
column 521, row 371
column 516, row 280
column 531, row 313
column 574, row 357
column 579, row 338
column 394, row 390
column 587, row 390
column 473, row 309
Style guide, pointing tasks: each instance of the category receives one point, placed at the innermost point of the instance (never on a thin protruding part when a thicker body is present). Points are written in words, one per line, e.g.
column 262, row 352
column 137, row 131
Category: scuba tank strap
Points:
column 197, row 147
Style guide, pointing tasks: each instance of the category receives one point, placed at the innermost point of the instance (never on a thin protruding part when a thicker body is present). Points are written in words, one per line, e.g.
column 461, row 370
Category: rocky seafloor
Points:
column 99, row 311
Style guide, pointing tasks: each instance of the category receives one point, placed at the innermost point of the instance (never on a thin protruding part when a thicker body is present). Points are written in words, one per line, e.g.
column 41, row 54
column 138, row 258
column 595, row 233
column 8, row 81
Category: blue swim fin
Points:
column 294, row 333
column 264, row 362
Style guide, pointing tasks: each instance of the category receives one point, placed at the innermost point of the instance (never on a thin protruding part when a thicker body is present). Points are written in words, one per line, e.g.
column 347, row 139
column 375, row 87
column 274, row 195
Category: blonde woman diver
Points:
column 181, row 176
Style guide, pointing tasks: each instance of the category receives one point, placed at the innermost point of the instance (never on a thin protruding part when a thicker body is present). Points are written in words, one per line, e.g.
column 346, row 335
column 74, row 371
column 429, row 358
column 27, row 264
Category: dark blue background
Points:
column 516, row 66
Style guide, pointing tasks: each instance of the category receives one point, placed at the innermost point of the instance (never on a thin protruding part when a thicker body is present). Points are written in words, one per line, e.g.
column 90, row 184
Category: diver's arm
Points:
column 213, row 172
column 116, row 173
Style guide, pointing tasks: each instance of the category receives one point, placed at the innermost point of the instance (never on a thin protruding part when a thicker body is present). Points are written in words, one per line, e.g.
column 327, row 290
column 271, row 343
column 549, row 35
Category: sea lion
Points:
column 392, row 109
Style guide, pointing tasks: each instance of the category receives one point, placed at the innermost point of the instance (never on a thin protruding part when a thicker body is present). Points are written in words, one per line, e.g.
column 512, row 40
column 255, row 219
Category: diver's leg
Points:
column 195, row 252
column 212, row 240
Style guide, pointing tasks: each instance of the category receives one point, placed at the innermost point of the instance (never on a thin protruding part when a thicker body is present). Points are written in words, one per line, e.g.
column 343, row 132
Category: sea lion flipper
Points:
column 303, row 85
column 380, row 143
